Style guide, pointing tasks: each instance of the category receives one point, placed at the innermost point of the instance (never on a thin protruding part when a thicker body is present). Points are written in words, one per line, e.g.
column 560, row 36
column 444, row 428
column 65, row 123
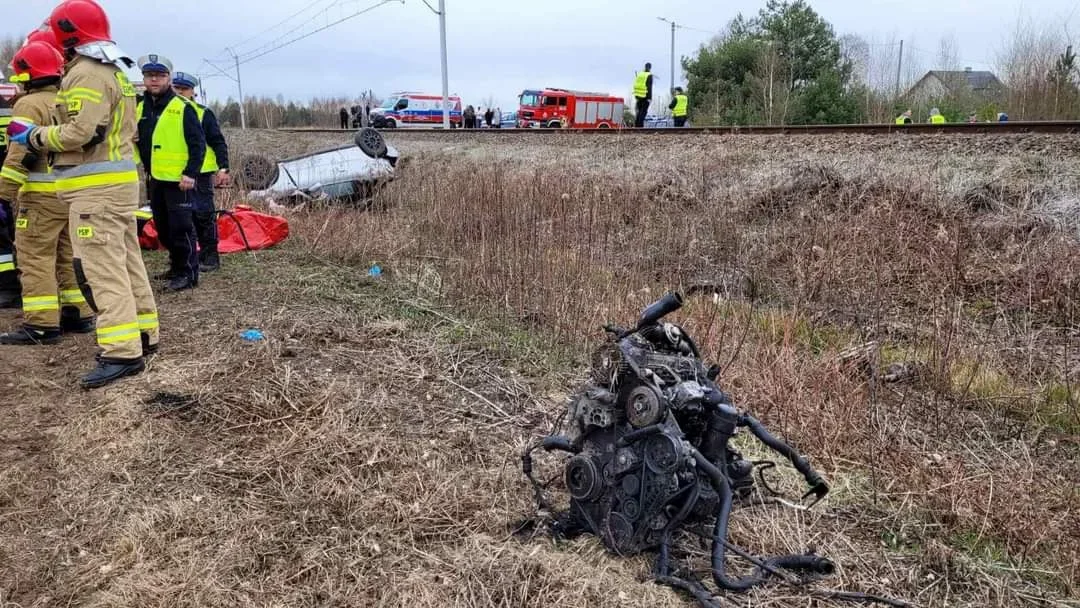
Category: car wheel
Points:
column 371, row 142
column 257, row 172
column 554, row 125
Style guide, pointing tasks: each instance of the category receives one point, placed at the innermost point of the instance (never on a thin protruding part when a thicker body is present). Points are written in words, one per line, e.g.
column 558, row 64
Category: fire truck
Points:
column 8, row 91
column 565, row 109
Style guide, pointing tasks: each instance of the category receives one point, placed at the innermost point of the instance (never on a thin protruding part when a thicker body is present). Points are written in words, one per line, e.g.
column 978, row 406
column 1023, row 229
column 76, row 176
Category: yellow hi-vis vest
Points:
column 209, row 164
column 5, row 120
column 682, row 104
column 901, row 120
column 937, row 119
column 641, row 85
column 168, row 148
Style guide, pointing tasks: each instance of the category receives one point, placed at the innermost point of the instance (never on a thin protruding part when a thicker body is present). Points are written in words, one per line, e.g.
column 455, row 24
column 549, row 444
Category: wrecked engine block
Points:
column 649, row 443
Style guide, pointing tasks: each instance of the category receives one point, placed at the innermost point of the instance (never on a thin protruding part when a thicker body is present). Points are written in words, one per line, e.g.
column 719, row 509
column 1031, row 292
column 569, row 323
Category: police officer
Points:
column 97, row 179
column 936, row 117
column 172, row 148
column 9, row 278
column 680, row 106
column 642, row 94
column 51, row 299
column 214, row 173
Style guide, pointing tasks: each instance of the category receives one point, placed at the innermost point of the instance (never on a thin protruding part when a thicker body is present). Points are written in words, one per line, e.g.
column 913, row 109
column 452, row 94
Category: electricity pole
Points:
column 445, row 75
column 899, row 67
column 673, row 27
column 240, row 88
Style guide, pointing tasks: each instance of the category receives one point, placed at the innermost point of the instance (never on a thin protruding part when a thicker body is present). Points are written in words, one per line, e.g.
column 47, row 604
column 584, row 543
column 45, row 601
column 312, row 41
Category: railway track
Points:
column 886, row 129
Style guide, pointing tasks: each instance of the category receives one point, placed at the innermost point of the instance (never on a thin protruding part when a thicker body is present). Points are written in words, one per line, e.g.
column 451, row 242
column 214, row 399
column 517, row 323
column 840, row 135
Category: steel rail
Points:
column 886, row 129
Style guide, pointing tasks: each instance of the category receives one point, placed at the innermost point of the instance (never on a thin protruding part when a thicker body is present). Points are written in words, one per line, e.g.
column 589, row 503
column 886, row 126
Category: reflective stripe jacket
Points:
column 217, row 150
column 94, row 137
column 643, row 85
column 680, row 105
column 37, row 107
column 170, row 137
column 5, row 120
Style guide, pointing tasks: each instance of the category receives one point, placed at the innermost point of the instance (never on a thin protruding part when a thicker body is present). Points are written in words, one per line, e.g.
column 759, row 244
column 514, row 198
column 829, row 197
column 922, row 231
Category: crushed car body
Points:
column 348, row 173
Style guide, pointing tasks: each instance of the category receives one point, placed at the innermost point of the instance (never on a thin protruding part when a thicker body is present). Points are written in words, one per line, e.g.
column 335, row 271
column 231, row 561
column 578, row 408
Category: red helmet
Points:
column 46, row 35
column 37, row 60
column 78, row 22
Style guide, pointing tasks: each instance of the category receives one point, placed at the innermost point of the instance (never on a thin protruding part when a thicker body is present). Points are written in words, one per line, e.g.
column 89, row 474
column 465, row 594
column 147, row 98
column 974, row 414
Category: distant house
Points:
column 941, row 84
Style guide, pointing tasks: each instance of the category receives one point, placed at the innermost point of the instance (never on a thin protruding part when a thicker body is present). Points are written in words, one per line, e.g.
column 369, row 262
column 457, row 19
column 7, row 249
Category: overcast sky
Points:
column 499, row 47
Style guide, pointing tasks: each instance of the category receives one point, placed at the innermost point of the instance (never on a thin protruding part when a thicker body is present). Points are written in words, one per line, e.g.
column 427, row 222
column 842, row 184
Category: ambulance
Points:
column 409, row 109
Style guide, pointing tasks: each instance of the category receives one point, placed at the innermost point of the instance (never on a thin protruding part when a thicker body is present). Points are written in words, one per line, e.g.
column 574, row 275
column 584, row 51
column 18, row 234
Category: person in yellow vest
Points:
column 96, row 178
column 9, row 277
column 172, row 148
column 936, row 117
column 642, row 95
column 215, row 173
column 51, row 300
column 680, row 107
column 904, row 119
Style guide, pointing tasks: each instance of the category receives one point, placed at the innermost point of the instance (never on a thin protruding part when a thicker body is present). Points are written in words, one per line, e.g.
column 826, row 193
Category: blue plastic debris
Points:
column 375, row 271
column 251, row 335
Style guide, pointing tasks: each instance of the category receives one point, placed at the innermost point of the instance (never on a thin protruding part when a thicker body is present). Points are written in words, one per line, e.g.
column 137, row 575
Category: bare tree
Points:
column 8, row 47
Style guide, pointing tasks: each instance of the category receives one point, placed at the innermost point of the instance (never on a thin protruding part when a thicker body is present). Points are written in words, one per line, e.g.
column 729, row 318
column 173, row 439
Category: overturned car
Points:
column 349, row 174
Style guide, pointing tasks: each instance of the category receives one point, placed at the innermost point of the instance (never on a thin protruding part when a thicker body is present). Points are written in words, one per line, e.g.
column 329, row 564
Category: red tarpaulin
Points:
column 259, row 229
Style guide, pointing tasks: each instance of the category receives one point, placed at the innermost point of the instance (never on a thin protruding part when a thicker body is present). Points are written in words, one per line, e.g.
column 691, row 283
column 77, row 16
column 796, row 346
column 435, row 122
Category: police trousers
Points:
column 46, row 264
column 109, row 266
column 206, row 218
column 174, row 219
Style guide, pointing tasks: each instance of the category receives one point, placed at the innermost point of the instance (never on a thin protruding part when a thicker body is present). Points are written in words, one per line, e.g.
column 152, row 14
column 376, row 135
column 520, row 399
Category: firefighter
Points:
column 936, row 117
column 904, row 119
column 680, row 106
column 51, row 299
column 642, row 94
column 215, row 173
column 9, row 278
column 172, row 148
column 96, row 178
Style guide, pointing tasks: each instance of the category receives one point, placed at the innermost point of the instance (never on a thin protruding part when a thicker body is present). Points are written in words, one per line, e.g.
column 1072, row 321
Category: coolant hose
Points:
column 811, row 563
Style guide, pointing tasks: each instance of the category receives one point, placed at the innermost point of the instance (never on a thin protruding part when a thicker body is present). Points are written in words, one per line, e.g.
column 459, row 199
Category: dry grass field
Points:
column 902, row 309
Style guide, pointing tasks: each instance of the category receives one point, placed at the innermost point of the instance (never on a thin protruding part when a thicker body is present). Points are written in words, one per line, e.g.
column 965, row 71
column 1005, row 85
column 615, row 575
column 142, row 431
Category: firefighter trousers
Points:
column 46, row 265
column 174, row 219
column 9, row 278
column 109, row 267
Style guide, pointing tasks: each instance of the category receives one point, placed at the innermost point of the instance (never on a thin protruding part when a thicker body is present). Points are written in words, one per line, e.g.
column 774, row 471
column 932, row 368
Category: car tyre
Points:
column 370, row 142
column 257, row 172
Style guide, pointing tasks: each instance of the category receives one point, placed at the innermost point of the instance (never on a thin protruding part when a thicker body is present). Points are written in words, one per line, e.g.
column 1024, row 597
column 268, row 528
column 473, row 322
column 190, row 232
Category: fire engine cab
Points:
column 565, row 109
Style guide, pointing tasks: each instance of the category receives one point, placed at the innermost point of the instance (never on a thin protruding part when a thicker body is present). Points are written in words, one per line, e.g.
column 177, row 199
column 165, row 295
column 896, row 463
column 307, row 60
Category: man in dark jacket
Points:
column 214, row 173
column 172, row 147
column 344, row 115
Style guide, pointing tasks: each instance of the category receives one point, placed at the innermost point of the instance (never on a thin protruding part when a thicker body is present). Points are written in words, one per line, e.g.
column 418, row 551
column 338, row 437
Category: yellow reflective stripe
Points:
column 7, row 266
column 148, row 321
column 114, row 133
column 37, row 303
column 72, row 296
column 144, row 215
column 101, row 179
column 44, row 187
column 23, row 118
column 54, row 139
column 84, row 94
column 13, row 175
column 118, row 333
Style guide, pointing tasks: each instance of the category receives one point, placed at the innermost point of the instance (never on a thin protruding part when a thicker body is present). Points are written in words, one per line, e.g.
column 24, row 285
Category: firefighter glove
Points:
column 19, row 130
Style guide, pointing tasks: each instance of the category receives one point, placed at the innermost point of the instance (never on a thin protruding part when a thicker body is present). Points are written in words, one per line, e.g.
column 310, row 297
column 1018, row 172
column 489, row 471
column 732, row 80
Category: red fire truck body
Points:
column 564, row 109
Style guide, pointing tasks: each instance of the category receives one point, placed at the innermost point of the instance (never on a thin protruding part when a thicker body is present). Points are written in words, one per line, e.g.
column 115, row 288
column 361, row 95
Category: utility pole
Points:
column 445, row 75
column 899, row 68
column 240, row 88
column 674, row 26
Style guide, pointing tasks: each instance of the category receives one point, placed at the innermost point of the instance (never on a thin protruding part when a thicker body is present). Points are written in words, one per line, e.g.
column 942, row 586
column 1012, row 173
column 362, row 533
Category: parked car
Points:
column 349, row 173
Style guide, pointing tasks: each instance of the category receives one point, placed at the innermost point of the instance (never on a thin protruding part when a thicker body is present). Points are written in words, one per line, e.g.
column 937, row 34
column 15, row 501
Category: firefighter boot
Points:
column 148, row 348
column 110, row 370
column 30, row 336
column 71, row 322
